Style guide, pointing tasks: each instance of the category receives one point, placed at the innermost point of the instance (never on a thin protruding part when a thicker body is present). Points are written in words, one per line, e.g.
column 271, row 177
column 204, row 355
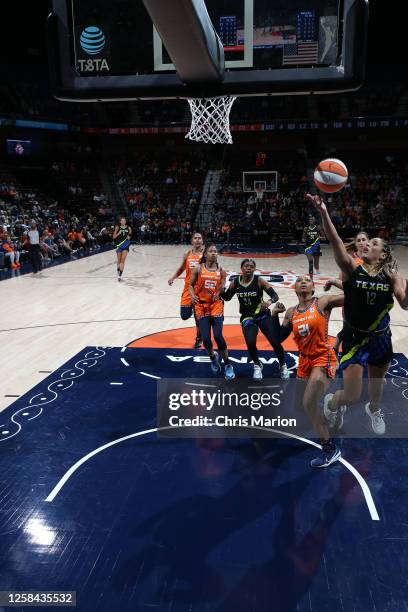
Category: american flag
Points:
column 300, row 53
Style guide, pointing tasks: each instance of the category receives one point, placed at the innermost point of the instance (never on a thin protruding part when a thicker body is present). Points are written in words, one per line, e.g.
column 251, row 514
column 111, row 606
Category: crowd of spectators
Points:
column 240, row 215
column 162, row 198
column 60, row 231
column 373, row 199
column 161, row 201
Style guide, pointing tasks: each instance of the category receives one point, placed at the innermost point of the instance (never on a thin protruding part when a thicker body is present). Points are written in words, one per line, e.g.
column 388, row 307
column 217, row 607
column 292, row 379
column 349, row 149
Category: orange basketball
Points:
column 330, row 175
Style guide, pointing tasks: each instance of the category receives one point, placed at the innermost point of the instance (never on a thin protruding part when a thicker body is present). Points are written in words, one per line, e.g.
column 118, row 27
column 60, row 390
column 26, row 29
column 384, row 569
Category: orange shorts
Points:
column 185, row 297
column 209, row 309
column 327, row 361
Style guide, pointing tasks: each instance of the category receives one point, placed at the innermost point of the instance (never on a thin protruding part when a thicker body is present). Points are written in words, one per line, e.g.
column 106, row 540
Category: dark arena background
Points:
column 99, row 508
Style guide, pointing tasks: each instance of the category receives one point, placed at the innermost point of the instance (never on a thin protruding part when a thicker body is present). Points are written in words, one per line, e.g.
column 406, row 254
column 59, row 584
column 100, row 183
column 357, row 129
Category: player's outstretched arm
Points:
column 333, row 282
column 327, row 302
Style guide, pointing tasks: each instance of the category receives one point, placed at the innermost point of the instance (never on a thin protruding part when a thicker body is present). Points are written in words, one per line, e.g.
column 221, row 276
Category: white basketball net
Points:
column 259, row 191
column 210, row 119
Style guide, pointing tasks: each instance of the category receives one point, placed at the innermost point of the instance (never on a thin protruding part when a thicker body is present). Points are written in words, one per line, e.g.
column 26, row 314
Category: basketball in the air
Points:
column 330, row 175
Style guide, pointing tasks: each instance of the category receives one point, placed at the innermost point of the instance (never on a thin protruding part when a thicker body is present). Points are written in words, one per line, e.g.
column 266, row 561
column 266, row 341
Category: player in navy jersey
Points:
column 121, row 238
column 369, row 291
column 311, row 238
column 255, row 314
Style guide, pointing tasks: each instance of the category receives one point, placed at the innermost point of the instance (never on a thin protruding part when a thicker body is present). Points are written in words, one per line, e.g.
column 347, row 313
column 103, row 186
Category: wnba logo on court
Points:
column 92, row 40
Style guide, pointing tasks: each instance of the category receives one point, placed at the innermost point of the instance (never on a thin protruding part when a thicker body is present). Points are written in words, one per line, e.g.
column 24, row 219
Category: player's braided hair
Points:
column 389, row 263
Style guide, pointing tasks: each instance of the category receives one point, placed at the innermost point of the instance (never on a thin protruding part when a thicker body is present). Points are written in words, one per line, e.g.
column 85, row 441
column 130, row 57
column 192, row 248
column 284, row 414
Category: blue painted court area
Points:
column 234, row 525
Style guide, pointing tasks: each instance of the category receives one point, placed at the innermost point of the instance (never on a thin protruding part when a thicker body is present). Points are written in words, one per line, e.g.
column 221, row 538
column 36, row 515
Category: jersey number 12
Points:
column 371, row 295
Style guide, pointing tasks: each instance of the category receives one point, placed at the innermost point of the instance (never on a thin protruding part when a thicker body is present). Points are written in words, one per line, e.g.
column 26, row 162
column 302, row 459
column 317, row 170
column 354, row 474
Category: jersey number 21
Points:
column 304, row 330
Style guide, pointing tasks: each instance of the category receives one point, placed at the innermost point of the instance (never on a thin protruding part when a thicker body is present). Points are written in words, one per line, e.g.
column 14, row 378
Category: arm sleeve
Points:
column 281, row 332
column 272, row 294
column 228, row 294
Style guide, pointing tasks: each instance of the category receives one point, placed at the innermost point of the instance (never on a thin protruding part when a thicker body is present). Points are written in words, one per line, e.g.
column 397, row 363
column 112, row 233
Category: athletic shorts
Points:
column 327, row 361
column 365, row 350
column 209, row 309
column 257, row 319
column 313, row 250
column 123, row 246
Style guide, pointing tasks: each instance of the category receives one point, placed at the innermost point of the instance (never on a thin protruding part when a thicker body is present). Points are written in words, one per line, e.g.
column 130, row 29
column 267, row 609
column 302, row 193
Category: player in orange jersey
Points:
column 309, row 322
column 206, row 283
column 191, row 260
column 355, row 249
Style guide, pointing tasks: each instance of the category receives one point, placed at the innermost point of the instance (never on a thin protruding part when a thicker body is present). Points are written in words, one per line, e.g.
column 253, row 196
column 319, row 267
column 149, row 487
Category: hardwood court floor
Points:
column 49, row 318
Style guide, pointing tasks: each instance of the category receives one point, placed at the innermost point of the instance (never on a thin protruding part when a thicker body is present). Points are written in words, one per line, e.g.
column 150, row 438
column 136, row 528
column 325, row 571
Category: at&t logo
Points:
column 92, row 42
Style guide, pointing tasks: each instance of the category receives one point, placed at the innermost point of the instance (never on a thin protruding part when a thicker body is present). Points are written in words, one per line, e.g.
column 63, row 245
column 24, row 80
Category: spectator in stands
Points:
column 91, row 242
column 225, row 232
column 61, row 243
column 73, row 240
column 47, row 243
column 10, row 253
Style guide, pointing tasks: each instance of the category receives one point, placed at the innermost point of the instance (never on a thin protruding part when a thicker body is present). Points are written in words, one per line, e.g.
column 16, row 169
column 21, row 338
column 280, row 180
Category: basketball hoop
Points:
column 259, row 192
column 210, row 119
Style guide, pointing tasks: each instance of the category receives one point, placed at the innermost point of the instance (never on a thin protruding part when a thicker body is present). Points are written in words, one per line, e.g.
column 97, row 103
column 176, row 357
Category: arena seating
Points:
column 162, row 197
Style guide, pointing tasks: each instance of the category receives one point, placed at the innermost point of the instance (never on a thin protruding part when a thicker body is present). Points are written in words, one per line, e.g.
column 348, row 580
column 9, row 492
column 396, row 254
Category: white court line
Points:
column 201, row 385
column 114, row 383
column 366, row 491
column 125, row 362
column 150, row 375
column 265, row 387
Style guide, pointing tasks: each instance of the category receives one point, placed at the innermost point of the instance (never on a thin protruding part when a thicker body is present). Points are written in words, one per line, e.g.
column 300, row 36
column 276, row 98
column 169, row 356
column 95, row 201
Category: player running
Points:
column 255, row 314
column 369, row 290
column 191, row 260
column 311, row 237
column 309, row 322
column 206, row 283
column 121, row 236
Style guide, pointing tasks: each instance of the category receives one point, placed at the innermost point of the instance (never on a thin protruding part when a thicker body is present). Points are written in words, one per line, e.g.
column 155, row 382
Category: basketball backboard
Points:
column 267, row 180
column 104, row 50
